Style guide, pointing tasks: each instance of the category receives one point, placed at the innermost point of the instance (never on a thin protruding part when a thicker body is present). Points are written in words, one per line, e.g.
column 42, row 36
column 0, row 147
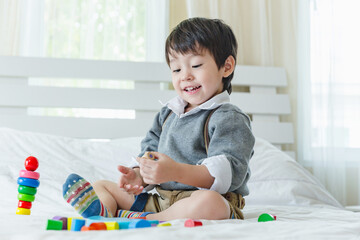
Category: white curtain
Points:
column 132, row 30
column 266, row 31
column 21, row 29
column 330, row 111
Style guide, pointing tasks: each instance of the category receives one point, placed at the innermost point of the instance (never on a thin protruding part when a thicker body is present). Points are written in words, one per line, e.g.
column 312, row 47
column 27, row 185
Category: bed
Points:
column 94, row 146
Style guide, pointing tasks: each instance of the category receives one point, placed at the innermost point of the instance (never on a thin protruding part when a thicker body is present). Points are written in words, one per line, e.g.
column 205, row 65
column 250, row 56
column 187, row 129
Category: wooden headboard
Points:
column 254, row 91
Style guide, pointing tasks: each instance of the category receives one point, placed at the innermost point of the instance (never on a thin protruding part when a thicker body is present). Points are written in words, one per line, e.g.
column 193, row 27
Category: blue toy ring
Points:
column 28, row 182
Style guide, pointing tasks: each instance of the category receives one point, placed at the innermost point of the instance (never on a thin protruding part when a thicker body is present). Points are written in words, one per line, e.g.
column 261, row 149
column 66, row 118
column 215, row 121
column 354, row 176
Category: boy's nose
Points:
column 187, row 76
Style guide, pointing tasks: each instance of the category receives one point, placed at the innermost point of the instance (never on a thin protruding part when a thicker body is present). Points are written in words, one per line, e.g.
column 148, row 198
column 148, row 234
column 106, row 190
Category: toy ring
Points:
column 26, row 197
column 27, row 190
column 29, row 174
column 23, row 211
column 28, row 182
column 23, row 204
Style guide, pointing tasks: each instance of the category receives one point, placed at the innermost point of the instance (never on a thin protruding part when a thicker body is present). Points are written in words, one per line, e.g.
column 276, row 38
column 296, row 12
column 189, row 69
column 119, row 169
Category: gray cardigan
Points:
column 182, row 139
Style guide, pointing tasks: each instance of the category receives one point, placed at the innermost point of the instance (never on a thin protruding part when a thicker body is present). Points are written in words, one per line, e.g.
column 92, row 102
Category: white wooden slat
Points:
column 79, row 127
column 263, row 90
column 276, row 133
column 35, row 96
column 259, row 76
column 13, row 81
column 137, row 71
column 265, row 118
column 262, row 104
column 91, row 69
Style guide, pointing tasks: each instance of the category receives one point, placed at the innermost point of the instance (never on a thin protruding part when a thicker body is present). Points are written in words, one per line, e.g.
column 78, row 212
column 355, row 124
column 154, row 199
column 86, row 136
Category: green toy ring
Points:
column 27, row 190
column 26, row 197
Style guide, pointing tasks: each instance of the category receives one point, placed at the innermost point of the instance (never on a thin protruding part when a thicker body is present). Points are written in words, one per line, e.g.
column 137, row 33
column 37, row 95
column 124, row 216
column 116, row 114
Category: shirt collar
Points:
column 177, row 104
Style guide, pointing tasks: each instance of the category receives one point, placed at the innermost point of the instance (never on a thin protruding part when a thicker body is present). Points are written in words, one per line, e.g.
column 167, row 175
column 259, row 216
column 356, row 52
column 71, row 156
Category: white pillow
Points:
column 277, row 179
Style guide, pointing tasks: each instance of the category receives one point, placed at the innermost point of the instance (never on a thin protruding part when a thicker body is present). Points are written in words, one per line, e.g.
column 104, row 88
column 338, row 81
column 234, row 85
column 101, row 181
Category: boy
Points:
column 200, row 172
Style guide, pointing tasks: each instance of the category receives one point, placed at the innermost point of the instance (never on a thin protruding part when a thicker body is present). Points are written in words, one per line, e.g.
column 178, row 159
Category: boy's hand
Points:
column 164, row 169
column 130, row 180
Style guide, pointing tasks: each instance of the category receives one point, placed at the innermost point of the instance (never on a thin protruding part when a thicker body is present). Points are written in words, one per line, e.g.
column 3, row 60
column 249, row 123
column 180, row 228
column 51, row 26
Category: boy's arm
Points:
column 165, row 169
column 194, row 175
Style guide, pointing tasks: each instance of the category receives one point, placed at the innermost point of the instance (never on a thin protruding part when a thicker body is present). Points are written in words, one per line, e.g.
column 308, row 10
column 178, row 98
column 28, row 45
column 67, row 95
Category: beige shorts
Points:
column 158, row 203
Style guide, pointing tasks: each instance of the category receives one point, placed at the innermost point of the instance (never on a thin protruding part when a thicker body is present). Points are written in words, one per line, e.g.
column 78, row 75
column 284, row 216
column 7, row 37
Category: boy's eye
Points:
column 196, row 66
column 176, row 70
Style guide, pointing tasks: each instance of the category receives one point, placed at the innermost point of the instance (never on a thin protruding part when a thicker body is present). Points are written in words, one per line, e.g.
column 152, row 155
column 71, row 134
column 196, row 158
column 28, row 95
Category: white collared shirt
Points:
column 177, row 104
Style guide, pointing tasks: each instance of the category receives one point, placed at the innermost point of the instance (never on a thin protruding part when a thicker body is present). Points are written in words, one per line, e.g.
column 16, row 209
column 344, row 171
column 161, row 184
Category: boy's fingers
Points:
column 123, row 169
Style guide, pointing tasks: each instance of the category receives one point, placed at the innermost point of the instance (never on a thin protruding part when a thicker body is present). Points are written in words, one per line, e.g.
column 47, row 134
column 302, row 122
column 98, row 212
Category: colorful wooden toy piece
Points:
column 27, row 190
column 23, row 211
column 64, row 221
column 149, row 155
column 192, row 223
column 28, row 182
column 265, row 217
column 31, row 163
column 77, row 224
column 97, row 226
column 26, row 197
column 24, row 204
column 112, row 225
column 69, row 222
column 139, row 223
column 165, row 224
column 54, row 224
column 85, row 228
column 29, row 174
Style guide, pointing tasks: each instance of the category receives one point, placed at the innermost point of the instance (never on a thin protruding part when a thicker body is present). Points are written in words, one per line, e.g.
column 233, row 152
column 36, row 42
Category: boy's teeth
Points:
column 190, row 88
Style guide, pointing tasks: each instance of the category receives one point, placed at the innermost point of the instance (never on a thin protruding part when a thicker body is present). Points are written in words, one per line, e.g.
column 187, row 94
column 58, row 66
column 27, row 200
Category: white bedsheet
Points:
column 292, row 223
column 304, row 209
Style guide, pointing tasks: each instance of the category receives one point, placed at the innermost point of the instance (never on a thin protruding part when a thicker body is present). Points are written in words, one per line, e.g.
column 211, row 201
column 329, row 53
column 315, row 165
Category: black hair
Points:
column 197, row 34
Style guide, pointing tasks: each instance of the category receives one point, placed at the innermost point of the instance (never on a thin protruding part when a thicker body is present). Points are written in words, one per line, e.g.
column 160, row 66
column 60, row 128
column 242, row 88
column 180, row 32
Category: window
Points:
column 125, row 30
column 335, row 76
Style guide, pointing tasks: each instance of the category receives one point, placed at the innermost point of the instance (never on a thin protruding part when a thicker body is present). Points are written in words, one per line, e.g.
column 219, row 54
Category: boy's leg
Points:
column 202, row 204
column 112, row 196
column 81, row 195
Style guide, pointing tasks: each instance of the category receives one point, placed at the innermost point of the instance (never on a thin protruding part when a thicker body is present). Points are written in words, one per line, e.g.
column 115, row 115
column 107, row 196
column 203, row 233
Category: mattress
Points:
column 278, row 186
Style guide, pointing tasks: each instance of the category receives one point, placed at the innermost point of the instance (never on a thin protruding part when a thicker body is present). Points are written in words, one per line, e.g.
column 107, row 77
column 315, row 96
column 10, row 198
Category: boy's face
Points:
column 196, row 77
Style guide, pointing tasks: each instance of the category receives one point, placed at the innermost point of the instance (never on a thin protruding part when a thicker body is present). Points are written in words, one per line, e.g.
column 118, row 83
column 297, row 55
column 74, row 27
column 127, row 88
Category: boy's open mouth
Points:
column 191, row 89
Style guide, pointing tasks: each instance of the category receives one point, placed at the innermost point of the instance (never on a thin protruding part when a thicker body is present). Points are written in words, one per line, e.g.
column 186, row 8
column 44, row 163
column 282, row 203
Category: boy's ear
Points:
column 229, row 66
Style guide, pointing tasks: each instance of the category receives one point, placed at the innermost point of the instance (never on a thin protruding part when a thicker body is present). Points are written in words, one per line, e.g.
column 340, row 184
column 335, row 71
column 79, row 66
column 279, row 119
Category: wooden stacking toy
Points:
column 28, row 182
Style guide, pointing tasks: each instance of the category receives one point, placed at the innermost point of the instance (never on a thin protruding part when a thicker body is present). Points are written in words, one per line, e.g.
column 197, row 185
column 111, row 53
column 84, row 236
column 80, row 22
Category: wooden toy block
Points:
column 123, row 225
column 192, row 223
column 54, row 225
column 77, row 224
column 165, row 224
column 23, row 211
column 97, row 226
column 85, row 228
column 112, row 225
column 139, row 223
column 63, row 219
column 69, row 222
